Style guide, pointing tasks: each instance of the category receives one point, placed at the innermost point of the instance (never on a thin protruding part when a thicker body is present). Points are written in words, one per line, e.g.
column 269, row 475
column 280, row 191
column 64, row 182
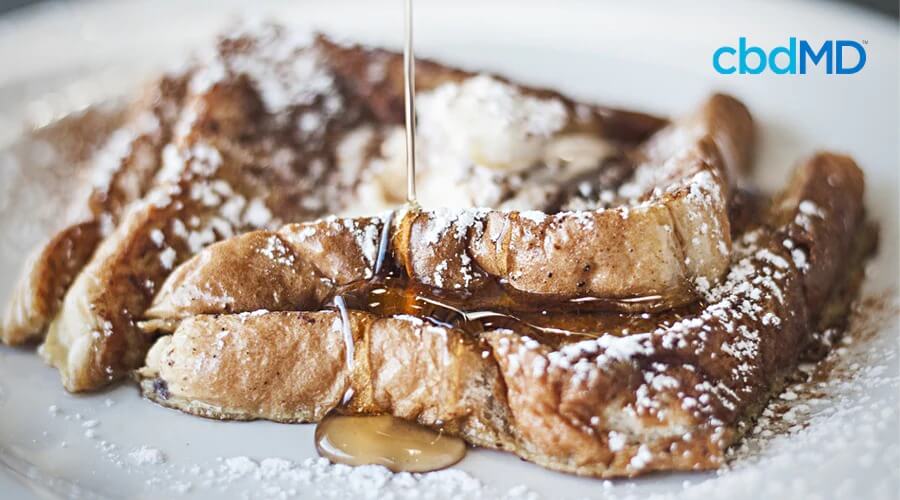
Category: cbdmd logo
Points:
column 840, row 57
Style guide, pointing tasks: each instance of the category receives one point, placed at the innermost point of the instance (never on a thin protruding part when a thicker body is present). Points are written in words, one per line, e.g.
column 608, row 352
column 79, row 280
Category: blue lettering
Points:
column 839, row 56
column 717, row 64
column 744, row 51
column 791, row 52
column 796, row 57
column 815, row 57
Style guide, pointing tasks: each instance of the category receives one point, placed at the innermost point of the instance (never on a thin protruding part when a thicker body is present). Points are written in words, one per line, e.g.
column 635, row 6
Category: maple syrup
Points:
column 493, row 306
column 409, row 98
column 397, row 444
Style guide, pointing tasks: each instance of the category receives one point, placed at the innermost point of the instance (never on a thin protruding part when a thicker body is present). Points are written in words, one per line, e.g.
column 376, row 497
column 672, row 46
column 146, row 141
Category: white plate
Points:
column 656, row 57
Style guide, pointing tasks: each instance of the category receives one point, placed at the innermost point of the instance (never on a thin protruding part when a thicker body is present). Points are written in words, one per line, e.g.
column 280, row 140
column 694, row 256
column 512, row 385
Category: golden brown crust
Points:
column 672, row 232
column 725, row 120
column 259, row 270
column 93, row 339
column 626, row 403
column 306, row 364
column 122, row 170
column 48, row 274
column 649, row 255
column 343, row 250
column 210, row 188
column 296, row 267
column 279, row 383
column 829, row 185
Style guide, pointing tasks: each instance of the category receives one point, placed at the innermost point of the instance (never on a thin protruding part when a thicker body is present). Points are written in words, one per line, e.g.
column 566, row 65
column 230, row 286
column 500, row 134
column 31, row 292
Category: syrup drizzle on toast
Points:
column 397, row 444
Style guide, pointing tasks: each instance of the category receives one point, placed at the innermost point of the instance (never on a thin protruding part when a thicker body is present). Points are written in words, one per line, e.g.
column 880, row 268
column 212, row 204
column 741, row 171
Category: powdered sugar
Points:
column 167, row 258
column 277, row 251
column 282, row 68
column 486, row 122
column 478, row 140
column 442, row 221
column 147, row 456
column 280, row 478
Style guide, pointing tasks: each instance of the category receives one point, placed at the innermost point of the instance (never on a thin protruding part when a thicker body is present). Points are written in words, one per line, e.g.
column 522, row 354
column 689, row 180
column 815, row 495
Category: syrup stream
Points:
column 383, row 241
column 409, row 94
column 345, row 331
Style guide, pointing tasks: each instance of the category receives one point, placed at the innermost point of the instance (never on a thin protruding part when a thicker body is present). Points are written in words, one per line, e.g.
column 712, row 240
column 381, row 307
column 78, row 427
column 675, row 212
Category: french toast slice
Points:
column 664, row 234
column 238, row 159
column 119, row 172
column 672, row 391
column 268, row 132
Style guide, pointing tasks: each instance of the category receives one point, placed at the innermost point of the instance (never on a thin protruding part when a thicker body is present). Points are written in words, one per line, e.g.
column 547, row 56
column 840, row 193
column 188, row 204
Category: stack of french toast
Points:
column 598, row 291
